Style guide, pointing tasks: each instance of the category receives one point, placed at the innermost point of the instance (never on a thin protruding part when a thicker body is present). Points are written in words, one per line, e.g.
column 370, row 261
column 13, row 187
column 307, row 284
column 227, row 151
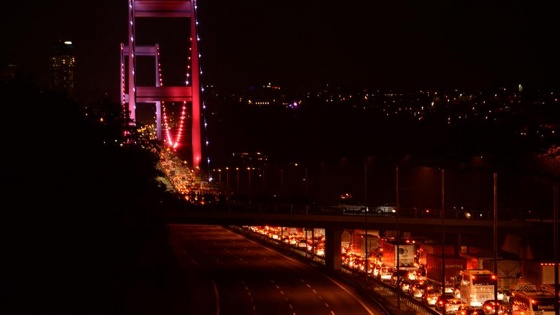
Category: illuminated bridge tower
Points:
column 131, row 94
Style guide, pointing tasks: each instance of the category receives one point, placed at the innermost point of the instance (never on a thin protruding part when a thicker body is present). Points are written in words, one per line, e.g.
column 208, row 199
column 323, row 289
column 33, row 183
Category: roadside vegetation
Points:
column 81, row 214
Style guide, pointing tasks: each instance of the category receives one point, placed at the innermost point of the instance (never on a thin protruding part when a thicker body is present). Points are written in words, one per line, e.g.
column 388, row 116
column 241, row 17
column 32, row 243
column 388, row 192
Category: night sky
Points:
column 305, row 44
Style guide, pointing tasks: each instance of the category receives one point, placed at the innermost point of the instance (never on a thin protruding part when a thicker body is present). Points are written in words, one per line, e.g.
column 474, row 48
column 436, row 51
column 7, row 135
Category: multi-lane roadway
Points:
column 230, row 274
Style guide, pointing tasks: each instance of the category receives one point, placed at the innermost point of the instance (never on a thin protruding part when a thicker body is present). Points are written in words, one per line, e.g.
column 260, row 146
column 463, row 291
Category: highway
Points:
column 230, row 274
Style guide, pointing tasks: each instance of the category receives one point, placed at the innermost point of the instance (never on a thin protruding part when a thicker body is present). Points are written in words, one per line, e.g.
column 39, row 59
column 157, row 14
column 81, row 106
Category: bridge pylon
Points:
column 132, row 94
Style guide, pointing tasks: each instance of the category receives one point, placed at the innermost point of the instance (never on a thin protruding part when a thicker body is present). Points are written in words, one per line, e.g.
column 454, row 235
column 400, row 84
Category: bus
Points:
column 536, row 302
column 476, row 286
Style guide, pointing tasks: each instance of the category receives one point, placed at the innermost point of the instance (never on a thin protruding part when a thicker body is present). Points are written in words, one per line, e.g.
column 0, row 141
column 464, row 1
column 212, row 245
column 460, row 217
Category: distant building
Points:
column 250, row 159
column 62, row 67
column 265, row 95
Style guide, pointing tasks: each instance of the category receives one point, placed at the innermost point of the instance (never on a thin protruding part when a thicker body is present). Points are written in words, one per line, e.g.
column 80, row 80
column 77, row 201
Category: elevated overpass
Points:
column 258, row 214
column 334, row 224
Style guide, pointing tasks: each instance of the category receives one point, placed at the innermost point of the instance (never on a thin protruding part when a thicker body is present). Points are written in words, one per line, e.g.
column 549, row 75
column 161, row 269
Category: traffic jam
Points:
column 470, row 287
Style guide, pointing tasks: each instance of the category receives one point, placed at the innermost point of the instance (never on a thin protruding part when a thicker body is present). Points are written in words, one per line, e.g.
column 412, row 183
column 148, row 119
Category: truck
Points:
column 429, row 249
column 358, row 241
column 508, row 269
column 437, row 264
column 508, row 272
column 538, row 273
column 406, row 253
column 477, row 286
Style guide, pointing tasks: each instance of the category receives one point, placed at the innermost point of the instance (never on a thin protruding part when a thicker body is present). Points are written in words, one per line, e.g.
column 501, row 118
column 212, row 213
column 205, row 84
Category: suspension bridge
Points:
column 133, row 93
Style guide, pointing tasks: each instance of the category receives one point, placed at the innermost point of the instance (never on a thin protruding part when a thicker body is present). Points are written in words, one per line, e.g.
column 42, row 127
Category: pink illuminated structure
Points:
column 131, row 94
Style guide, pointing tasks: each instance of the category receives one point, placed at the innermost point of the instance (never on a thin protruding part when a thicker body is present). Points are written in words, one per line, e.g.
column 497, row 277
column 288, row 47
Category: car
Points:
column 418, row 289
column 405, row 285
column 383, row 273
column 348, row 205
column 386, row 209
column 302, row 243
column 399, row 274
column 430, row 296
column 447, row 303
column 465, row 309
column 489, row 307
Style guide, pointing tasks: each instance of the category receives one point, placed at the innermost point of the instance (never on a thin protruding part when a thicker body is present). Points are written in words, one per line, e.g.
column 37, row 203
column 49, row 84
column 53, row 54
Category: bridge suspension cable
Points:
column 189, row 93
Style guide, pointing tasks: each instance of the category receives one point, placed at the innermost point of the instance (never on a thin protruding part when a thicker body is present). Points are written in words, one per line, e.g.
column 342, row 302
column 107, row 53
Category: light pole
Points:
column 305, row 182
column 397, row 190
column 237, row 179
column 442, row 231
column 398, row 238
column 496, row 234
column 555, row 242
column 263, row 180
column 282, row 183
column 366, row 223
column 227, row 178
column 249, row 181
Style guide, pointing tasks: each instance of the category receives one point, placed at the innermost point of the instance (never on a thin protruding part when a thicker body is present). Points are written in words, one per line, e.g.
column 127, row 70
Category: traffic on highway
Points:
column 424, row 276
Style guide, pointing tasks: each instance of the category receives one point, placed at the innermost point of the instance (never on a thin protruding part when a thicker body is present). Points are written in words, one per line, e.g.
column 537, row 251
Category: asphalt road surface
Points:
column 230, row 274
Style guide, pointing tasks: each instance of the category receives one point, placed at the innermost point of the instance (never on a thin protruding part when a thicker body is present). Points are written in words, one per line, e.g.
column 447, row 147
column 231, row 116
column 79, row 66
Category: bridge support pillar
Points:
column 333, row 251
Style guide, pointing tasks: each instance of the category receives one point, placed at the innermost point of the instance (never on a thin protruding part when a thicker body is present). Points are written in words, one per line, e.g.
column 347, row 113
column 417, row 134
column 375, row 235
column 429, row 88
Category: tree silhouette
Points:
column 80, row 207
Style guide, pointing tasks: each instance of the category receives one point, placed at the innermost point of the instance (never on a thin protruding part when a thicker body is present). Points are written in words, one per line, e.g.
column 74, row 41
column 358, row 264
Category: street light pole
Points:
column 306, row 184
column 366, row 225
column 398, row 231
column 249, row 181
column 227, row 179
column 555, row 242
column 442, row 231
column 496, row 234
column 282, row 183
column 264, row 190
column 397, row 190
column 237, row 179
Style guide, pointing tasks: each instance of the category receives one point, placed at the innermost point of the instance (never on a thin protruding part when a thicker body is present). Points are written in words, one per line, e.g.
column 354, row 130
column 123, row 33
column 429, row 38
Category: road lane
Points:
column 252, row 279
